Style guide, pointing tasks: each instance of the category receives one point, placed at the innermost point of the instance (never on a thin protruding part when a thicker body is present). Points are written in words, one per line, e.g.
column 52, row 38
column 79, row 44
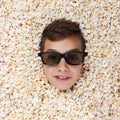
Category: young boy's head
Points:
column 62, row 51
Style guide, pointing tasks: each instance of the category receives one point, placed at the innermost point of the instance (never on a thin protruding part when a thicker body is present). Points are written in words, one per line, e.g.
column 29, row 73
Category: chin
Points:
column 65, row 88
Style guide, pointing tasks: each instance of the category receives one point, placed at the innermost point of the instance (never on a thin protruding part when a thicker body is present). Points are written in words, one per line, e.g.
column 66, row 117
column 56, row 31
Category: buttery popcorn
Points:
column 24, row 91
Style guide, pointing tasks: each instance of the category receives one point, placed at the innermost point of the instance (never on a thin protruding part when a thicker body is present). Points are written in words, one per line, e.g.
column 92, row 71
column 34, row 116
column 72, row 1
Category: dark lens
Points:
column 50, row 58
column 74, row 58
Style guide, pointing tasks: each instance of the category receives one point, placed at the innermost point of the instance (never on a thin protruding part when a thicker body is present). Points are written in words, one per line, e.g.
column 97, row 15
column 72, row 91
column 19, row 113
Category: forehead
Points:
column 63, row 45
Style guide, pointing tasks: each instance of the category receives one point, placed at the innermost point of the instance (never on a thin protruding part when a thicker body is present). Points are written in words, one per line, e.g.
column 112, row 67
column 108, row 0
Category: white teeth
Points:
column 60, row 77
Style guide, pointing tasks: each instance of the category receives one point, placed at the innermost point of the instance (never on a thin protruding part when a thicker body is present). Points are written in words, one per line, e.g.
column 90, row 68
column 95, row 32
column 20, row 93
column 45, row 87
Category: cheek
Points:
column 47, row 71
column 77, row 71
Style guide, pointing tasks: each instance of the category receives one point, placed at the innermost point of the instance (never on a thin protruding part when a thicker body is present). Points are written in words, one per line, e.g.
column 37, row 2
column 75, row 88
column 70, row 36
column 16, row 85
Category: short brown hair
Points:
column 60, row 29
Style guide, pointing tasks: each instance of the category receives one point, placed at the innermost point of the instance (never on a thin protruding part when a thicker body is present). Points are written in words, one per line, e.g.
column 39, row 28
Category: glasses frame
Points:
column 63, row 56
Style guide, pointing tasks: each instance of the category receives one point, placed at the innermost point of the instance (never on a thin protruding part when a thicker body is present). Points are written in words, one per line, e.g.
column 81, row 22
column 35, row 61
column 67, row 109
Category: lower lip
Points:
column 62, row 80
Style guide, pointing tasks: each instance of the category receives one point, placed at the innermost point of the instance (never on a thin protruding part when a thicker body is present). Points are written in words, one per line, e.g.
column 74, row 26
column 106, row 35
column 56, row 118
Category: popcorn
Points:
column 24, row 90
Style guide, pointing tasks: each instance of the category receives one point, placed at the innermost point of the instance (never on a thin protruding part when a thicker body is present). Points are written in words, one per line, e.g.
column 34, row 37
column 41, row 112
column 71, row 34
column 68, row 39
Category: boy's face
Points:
column 63, row 76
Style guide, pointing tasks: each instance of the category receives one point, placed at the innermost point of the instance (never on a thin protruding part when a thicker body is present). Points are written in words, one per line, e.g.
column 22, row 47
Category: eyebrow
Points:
column 72, row 50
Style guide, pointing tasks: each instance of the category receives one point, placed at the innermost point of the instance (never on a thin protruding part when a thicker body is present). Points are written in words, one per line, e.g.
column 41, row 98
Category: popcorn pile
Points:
column 24, row 91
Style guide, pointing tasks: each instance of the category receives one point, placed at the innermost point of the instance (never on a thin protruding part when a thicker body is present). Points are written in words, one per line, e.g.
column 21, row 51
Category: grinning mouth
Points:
column 63, row 78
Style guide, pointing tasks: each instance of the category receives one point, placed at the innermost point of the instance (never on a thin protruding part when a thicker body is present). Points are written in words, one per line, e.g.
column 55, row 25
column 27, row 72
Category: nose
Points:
column 63, row 66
